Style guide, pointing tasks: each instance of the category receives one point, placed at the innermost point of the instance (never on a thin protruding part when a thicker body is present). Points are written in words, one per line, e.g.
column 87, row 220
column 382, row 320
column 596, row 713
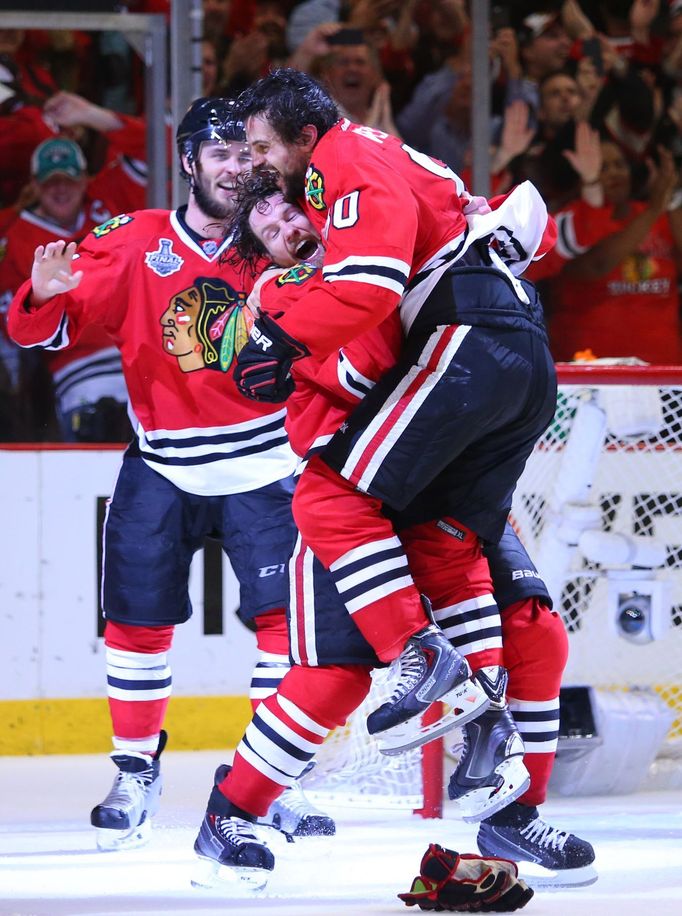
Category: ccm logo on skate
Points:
column 525, row 574
column 266, row 571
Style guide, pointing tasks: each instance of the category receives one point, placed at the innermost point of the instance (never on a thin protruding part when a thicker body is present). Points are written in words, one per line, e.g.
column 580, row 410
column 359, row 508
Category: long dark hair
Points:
column 253, row 189
column 290, row 100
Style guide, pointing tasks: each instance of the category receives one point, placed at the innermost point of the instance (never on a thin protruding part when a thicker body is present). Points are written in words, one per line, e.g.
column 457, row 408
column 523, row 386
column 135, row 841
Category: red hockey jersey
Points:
column 176, row 310
column 392, row 220
column 329, row 388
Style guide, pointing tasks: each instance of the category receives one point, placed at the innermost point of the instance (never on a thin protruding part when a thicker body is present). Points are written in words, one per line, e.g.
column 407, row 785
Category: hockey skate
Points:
column 123, row 819
column 294, row 816
column 429, row 669
column 228, row 849
column 490, row 773
column 547, row 856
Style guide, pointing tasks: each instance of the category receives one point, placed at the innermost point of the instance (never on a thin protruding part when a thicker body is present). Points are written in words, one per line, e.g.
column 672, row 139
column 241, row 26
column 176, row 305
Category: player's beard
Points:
column 207, row 203
column 294, row 183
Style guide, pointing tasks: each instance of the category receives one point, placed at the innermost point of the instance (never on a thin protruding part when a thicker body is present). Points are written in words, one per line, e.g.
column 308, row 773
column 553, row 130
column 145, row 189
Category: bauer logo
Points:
column 524, row 574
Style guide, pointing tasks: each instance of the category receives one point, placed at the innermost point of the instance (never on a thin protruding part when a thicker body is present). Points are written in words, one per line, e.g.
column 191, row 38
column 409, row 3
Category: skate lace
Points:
column 538, row 831
column 129, row 788
column 295, row 801
column 235, row 830
column 411, row 663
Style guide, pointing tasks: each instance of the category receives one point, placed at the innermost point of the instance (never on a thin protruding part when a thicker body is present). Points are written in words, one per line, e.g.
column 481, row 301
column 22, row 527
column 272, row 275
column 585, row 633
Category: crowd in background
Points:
column 586, row 103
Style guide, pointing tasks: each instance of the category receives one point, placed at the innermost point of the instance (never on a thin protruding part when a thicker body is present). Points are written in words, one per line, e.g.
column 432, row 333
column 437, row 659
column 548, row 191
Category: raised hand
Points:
column 586, row 157
column 52, row 271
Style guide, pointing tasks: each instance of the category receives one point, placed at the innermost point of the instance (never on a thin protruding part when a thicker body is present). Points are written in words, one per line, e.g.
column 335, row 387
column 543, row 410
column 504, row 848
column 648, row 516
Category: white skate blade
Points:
column 209, row 874
column 111, row 840
column 483, row 802
column 463, row 703
column 555, row 879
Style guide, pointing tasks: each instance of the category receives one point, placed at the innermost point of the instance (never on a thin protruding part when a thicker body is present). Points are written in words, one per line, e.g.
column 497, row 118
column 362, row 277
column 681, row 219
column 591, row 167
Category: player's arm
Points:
column 371, row 231
column 68, row 289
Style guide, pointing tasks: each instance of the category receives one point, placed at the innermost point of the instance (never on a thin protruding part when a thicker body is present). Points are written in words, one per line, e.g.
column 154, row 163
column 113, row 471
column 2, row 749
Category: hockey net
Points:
column 599, row 508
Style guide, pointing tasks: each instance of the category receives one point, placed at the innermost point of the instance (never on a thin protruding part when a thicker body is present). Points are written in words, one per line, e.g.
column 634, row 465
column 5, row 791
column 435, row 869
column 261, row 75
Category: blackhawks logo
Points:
column 298, row 274
column 206, row 325
column 314, row 188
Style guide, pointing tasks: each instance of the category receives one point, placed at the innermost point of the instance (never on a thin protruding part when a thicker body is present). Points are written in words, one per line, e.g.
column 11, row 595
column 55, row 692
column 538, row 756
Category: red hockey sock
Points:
column 535, row 653
column 448, row 565
column 287, row 729
column 272, row 639
column 138, row 683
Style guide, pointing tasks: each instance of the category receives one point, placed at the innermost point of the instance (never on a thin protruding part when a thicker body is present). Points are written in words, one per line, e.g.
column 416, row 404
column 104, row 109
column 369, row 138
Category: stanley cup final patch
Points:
column 163, row 261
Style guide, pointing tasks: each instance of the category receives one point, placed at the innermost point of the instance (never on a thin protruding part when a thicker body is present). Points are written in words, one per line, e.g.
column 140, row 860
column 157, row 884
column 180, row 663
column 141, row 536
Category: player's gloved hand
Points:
column 263, row 370
column 466, row 884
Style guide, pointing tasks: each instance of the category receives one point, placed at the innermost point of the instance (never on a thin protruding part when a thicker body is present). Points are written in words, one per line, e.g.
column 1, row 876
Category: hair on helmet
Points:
column 207, row 119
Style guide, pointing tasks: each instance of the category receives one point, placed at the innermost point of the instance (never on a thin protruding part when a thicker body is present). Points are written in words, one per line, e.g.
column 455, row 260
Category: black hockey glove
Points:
column 263, row 370
column 466, row 884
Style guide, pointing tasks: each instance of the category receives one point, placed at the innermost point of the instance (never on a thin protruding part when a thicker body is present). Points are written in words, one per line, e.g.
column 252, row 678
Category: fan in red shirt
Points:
column 90, row 391
column 616, row 269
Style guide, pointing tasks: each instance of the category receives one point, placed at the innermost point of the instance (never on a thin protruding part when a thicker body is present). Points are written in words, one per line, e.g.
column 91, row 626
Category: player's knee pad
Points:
column 535, row 649
column 147, row 640
column 329, row 694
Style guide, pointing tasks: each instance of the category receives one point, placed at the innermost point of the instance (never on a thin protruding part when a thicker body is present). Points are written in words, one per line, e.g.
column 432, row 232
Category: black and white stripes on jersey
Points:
column 221, row 460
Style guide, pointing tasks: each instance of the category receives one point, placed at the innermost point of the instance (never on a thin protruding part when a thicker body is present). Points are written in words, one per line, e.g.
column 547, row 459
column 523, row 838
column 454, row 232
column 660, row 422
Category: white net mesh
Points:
column 599, row 508
column 350, row 769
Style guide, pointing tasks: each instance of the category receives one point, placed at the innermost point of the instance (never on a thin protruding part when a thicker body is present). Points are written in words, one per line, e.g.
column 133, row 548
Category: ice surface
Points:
column 49, row 864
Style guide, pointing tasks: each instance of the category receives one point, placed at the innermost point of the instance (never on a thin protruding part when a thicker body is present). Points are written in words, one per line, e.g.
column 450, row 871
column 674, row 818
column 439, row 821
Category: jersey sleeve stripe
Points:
column 567, row 244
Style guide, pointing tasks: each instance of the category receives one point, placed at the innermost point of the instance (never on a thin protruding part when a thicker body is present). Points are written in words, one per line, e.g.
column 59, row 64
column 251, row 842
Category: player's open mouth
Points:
column 305, row 249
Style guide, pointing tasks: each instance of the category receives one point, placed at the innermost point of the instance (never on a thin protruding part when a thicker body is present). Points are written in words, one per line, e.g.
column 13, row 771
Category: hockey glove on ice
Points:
column 263, row 370
column 466, row 884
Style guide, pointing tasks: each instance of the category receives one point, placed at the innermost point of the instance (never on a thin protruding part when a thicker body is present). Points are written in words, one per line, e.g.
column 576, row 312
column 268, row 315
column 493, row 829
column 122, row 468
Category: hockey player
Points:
column 388, row 215
column 393, row 220
column 204, row 460
column 455, row 575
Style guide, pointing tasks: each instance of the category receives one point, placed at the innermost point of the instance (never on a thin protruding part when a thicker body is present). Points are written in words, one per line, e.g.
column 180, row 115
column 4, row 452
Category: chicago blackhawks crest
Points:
column 206, row 325
column 297, row 274
column 314, row 188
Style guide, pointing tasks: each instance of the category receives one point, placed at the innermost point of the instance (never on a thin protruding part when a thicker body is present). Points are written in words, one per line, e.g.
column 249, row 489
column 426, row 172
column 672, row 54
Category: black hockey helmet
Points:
column 207, row 119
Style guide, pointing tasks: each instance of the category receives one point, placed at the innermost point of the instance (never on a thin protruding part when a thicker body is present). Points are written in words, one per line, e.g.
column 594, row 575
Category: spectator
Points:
column 437, row 120
column 263, row 46
column 210, row 68
column 544, row 162
column 353, row 76
column 543, row 48
column 36, row 80
column 23, row 125
column 614, row 269
column 91, row 396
